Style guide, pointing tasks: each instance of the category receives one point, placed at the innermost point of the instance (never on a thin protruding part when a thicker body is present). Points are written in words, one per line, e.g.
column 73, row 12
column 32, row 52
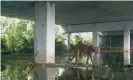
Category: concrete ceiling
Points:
column 75, row 12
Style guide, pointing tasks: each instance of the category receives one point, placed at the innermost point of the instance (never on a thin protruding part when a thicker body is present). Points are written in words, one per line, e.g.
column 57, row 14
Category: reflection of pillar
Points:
column 44, row 46
column 96, row 44
column 126, row 47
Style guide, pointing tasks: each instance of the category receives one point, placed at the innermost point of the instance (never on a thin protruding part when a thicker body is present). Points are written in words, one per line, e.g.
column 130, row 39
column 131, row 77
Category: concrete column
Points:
column 95, row 39
column 67, row 41
column 126, row 47
column 44, row 45
column 95, row 43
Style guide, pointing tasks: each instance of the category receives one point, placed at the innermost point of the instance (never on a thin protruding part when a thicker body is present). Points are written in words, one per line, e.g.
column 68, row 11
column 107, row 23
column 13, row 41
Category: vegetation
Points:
column 18, row 70
column 18, row 37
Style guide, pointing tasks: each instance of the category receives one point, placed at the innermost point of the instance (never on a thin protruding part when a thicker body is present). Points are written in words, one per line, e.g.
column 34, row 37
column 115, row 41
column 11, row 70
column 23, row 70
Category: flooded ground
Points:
column 94, row 74
column 111, row 67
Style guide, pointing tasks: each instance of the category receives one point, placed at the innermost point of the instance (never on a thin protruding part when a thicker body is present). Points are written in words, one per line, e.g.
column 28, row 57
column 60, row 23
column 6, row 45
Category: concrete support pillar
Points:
column 126, row 47
column 95, row 39
column 44, row 45
column 67, row 41
column 95, row 43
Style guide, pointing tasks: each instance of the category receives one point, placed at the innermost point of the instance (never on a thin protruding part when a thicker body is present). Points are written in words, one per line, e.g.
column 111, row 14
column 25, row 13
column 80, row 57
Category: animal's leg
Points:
column 91, row 57
column 77, row 56
column 87, row 59
column 72, row 57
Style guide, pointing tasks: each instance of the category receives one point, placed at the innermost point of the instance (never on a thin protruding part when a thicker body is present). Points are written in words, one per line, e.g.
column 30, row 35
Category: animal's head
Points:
column 97, row 50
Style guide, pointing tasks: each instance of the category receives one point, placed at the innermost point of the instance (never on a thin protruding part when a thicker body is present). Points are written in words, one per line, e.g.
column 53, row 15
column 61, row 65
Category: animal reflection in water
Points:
column 83, row 49
column 77, row 74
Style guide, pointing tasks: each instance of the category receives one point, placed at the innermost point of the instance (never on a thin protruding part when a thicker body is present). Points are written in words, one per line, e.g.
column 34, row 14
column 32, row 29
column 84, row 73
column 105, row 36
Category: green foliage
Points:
column 79, row 39
column 10, row 36
column 59, row 44
column 26, row 36
column 18, row 70
column 17, row 37
column 3, row 45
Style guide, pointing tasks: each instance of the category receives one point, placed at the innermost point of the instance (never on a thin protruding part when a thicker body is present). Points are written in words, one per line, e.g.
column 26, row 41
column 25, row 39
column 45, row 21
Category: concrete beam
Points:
column 44, row 44
column 108, row 26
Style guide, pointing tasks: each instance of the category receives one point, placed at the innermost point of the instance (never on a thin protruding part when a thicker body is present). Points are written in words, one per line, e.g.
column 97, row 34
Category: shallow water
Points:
column 110, row 68
column 94, row 74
